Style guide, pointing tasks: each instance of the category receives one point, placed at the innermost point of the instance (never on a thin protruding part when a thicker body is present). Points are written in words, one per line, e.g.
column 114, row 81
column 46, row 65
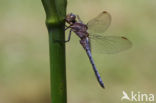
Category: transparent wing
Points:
column 109, row 44
column 99, row 24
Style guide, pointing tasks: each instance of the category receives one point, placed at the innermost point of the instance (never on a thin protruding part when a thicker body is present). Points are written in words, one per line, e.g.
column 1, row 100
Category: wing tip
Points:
column 104, row 12
column 127, row 40
column 124, row 37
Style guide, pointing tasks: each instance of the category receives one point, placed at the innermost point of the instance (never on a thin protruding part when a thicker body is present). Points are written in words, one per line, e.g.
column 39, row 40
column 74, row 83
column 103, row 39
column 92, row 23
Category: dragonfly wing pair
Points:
column 99, row 24
column 105, row 44
column 110, row 44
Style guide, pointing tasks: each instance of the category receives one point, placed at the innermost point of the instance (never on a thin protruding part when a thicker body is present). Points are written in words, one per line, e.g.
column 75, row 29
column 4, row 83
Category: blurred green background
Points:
column 24, row 52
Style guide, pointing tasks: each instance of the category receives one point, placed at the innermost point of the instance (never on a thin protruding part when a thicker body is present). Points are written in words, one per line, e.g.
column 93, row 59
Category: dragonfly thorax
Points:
column 80, row 29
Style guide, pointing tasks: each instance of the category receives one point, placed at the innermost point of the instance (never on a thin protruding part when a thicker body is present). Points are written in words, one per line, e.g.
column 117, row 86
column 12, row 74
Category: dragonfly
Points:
column 92, row 34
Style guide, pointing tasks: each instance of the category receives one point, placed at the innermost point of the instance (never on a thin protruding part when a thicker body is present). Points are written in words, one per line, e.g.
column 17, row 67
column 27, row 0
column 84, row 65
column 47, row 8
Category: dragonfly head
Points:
column 70, row 18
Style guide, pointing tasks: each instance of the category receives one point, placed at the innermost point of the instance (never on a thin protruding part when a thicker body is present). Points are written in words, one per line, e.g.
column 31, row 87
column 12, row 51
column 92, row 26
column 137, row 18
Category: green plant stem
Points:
column 55, row 14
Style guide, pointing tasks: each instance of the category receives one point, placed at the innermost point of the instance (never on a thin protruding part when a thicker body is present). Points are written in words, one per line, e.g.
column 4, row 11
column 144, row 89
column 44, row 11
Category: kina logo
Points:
column 137, row 96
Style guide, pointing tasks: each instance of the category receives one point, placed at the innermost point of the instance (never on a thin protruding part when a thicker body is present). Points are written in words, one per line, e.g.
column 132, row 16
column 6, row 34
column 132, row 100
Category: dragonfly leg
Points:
column 69, row 36
column 78, row 17
column 66, row 27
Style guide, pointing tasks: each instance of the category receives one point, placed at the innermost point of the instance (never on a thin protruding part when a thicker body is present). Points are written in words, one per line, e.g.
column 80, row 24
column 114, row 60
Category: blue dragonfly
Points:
column 93, row 33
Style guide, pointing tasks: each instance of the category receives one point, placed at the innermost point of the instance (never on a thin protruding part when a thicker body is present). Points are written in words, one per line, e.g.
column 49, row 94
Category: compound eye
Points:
column 72, row 16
